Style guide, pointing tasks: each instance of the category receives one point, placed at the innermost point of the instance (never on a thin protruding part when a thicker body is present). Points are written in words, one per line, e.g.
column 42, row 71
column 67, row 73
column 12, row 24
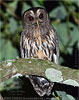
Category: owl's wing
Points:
column 56, row 50
column 22, row 46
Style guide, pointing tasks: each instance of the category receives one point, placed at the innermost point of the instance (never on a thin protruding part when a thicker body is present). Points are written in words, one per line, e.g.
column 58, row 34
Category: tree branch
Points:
column 39, row 67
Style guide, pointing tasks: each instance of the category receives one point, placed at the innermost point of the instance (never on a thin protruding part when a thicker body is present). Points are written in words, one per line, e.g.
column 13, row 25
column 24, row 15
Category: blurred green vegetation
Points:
column 64, row 17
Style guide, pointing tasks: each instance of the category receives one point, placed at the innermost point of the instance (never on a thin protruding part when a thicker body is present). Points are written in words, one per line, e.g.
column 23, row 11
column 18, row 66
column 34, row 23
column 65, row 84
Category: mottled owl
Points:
column 39, row 38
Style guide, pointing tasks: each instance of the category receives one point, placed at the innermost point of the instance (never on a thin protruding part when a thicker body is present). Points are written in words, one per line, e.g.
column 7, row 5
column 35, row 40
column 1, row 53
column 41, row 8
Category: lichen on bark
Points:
column 35, row 67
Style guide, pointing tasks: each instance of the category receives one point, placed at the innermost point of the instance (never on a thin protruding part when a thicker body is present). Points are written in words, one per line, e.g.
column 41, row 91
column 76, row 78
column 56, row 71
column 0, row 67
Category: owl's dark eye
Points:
column 31, row 18
column 41, row 16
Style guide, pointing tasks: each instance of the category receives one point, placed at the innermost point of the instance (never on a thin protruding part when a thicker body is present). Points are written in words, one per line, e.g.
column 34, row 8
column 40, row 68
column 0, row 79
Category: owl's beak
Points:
column 37, row 22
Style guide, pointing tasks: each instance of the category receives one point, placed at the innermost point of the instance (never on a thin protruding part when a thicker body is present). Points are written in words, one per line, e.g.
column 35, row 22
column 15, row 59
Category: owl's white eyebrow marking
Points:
column 32, row 13
column 38, row 12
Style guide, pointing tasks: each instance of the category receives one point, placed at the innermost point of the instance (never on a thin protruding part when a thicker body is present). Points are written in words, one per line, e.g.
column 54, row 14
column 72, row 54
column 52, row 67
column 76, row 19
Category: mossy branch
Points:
column 39, row 67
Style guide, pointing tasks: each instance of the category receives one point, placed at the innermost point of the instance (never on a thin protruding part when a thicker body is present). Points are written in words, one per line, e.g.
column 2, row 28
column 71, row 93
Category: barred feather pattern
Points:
column 40, row 46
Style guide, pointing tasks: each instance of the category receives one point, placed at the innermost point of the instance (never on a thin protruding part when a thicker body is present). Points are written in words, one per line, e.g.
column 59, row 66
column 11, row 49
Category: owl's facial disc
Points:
column 29, row 18
column 35, row 18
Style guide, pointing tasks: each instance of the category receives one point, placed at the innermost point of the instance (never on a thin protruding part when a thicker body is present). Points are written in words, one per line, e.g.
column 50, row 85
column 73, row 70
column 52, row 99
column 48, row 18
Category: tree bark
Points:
column 19, row 67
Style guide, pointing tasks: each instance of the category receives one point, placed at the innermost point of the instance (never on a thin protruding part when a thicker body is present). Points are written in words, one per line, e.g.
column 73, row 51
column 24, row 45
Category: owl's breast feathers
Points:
column 39, row 46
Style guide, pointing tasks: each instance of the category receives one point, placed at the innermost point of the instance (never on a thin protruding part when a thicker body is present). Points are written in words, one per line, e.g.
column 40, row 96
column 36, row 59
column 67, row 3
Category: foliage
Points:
column 64, row 18
column 62, row 96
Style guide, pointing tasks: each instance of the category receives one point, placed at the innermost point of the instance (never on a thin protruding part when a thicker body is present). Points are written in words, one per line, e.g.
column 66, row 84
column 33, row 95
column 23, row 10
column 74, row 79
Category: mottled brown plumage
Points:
column 38, row 38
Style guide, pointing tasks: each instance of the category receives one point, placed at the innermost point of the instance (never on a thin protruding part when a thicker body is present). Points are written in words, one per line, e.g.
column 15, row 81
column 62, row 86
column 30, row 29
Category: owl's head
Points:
column 35, row 17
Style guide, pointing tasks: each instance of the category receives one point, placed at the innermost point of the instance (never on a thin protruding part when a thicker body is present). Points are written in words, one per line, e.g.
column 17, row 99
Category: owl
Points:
column 39, row 38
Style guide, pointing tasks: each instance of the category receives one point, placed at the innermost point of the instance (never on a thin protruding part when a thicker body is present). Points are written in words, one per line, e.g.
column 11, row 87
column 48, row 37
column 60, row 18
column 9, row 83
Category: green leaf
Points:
column 78, row 45
column 35, row 3
column 41, row 2
column 1, row 23
column 11, row 84
column 74, row 32
column 71, row 82
column 53, row 99
column 62, row 95
column 13, row 6
column 72, row 2
column 72, row 8
column 7, row 51
column 13, row 25
column 61, row 47
column 59, row 12
column 61, row 60
column 70, row 97
column 70, row 50
column 67, row 40
column 77, row 3
column 25, row 7
column 62, row 33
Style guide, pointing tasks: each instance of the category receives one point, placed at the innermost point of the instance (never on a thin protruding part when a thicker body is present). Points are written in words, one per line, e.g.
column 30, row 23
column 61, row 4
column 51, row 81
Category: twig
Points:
column 12, row 12
column 70, row 12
